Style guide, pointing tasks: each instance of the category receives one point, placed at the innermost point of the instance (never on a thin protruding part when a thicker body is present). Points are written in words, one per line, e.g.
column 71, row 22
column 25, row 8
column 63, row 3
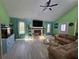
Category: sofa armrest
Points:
column 72, row 53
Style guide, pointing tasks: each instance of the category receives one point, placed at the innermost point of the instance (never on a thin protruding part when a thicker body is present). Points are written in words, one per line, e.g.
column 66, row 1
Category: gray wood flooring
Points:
column 31, row 49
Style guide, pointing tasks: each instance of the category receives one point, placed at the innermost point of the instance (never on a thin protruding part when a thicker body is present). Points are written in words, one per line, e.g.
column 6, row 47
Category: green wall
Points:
column 15, row 21
column 4, row 19
column 69, row 17
column 28, row 25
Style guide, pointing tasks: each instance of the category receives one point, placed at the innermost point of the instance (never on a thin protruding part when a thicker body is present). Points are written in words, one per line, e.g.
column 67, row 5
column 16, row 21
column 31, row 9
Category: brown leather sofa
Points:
column 63, row 47
column 65, row 38
column 68, row 51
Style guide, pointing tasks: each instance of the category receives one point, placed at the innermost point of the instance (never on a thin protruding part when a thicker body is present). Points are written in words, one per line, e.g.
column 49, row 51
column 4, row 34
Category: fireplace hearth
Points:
column 38, row 32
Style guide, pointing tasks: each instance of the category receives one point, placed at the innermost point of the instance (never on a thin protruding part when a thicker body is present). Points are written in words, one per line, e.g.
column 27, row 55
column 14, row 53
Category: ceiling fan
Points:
column 48, row 5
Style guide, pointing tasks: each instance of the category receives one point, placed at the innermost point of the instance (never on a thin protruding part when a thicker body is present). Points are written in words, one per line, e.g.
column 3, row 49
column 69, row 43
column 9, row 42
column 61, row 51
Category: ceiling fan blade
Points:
column 49, row 1
column 44, row 8
column 50, row 9
column 47, row 4
column 53, row 5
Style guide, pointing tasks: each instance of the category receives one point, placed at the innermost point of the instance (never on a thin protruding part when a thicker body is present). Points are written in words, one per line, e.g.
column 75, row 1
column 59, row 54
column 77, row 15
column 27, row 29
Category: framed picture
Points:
column 56, row 25
column 71, row 24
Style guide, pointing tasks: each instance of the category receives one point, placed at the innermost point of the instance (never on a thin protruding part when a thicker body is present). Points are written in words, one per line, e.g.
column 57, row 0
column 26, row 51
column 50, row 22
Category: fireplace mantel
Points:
column 37, row 28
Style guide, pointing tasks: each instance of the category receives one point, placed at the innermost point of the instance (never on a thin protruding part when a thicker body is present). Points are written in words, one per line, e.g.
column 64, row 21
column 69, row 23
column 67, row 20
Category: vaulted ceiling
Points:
column 31, row 8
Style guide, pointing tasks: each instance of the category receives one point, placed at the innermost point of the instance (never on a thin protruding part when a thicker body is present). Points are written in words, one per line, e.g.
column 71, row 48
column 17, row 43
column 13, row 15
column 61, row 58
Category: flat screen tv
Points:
column 37, row 23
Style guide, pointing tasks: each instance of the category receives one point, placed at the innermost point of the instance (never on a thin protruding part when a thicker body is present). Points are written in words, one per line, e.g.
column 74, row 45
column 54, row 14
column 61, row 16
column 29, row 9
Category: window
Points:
column 21, row 28
column 8, row 30
column 63, row 27
column 48, row 27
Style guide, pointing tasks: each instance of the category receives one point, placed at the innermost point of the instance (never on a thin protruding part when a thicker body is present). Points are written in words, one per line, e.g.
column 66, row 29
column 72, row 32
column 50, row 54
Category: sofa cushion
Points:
column 65, row 38
column 70, row 37
column 70, row 46
column 62, row 35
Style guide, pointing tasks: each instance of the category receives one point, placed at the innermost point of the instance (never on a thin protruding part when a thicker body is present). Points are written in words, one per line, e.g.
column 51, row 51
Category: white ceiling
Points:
column 31, row 8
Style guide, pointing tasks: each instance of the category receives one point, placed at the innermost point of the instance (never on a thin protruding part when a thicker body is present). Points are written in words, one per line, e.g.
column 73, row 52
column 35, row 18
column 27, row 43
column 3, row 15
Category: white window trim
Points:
column 48, row 28
column 65, row 32
column 21, row 28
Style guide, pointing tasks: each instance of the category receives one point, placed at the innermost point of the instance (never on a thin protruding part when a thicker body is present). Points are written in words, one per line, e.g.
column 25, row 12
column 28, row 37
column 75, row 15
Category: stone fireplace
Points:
column 37, row 31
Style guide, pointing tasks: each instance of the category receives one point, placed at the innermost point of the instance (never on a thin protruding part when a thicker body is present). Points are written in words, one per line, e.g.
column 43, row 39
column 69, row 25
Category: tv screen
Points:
column 37, row 23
